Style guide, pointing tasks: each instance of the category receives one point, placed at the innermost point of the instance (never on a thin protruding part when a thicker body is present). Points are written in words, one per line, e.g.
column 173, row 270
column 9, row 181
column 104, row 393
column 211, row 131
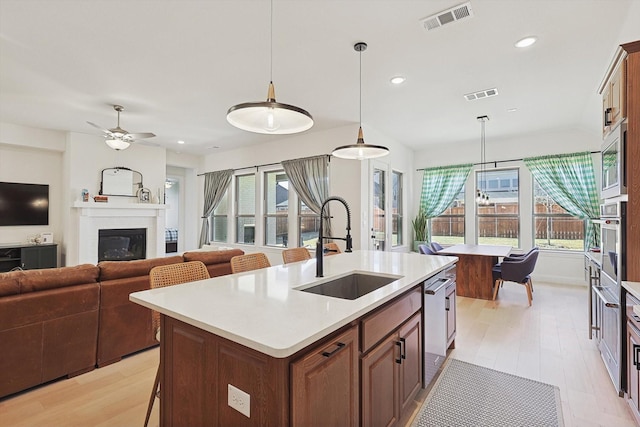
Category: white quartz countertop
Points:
column 633, row 288
column 261, row 309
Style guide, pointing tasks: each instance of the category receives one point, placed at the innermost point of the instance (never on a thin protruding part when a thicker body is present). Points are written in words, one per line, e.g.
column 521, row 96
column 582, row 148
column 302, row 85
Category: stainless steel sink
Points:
column 351, row 286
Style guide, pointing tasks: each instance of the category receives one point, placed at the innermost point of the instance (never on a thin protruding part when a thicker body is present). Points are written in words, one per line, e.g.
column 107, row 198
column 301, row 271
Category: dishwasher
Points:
column 437, row 328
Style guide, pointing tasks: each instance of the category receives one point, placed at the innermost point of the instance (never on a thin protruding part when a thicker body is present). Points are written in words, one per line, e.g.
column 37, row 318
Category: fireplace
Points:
column 122, row 244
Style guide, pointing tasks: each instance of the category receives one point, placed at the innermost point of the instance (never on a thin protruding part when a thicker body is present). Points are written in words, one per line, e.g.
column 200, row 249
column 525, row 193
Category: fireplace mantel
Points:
column 90, row 217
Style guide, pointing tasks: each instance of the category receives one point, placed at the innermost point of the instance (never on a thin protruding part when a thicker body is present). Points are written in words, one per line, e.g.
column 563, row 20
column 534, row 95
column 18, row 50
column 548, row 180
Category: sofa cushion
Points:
column 9, row 284
column 111, row 270
column 50, row 278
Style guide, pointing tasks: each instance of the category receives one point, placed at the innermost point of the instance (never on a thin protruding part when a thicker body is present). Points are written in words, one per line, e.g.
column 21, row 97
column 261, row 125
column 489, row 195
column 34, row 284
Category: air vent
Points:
column 481, row 94
column 448, row 16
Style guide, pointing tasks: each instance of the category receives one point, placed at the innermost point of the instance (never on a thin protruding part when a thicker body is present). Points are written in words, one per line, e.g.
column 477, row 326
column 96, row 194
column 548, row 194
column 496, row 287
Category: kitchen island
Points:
column 295, row 354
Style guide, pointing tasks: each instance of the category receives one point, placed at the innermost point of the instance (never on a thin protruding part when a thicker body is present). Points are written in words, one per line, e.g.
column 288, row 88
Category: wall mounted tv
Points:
column 24, row 204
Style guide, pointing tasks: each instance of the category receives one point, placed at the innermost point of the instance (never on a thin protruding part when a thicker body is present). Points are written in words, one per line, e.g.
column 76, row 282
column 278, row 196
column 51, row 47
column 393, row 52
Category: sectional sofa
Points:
column 67, row 321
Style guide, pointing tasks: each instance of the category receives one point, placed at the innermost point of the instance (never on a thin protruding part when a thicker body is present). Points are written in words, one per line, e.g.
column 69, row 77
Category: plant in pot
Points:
column 420, row 232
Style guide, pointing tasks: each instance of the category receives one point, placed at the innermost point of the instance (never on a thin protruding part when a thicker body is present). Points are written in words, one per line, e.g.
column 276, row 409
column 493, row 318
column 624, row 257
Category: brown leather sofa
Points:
column 66, row 321
column 48, row 325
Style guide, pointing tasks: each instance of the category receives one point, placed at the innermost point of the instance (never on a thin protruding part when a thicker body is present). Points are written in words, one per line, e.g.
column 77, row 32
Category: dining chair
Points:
column 425, row 250
column 512, row 257
column 518, row 271
column 248, row 262
column 435, row 247
column 160, row 277
column 331, row 249
column 295, row 254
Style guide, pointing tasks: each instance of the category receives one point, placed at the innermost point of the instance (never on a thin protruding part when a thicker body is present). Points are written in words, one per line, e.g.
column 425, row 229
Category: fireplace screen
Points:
column 123, row 244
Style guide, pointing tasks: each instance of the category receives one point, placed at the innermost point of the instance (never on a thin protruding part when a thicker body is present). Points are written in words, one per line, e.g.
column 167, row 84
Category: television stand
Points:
column 28, row 256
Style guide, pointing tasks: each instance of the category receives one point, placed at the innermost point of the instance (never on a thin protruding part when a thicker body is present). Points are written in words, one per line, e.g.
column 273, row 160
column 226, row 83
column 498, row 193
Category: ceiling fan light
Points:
column 117, row 144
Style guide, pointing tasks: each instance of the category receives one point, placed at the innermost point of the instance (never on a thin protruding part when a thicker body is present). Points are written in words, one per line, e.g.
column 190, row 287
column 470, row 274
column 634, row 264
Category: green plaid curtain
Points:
column 440, row 185
column 569, row 179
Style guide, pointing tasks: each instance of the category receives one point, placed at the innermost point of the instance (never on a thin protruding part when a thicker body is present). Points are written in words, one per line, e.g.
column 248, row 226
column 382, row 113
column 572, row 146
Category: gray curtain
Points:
column 215, row 185
column 310, row 180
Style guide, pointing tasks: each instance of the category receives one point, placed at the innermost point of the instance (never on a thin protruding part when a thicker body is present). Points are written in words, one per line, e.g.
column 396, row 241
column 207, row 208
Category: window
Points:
column 276, row 209
column 498, row 221
column 219, row 220
column 448, row 228
column 308, row 226
column 396, row 209
column 245, row 208
column 554, row 227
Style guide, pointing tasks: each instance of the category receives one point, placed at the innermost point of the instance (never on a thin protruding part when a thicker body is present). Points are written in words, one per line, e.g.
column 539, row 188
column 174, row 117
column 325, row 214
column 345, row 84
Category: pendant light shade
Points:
column 360, row 150
column 482, row 197
column 269, row 117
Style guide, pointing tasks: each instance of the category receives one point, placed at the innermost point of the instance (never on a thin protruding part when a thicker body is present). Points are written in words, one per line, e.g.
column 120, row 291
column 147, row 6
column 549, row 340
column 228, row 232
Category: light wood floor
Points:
column 546, row 342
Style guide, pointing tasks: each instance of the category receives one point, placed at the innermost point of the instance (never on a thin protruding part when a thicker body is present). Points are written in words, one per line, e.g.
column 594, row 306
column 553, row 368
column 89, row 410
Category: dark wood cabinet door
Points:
column 325, row 386
column 36, row 257
column 411, row 361
column 380, row 372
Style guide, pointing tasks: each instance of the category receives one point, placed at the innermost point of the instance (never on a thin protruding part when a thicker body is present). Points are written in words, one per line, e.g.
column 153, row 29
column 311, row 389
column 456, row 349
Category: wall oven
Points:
column 614, row 165
column 608, row 298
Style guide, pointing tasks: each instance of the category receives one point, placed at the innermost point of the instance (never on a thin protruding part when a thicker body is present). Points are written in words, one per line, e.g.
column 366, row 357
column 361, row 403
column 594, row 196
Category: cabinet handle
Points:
column 331, row 353
column 607, row 120
column 636, row 362
column 447, row 304
column 399, row 359
column 403, row 347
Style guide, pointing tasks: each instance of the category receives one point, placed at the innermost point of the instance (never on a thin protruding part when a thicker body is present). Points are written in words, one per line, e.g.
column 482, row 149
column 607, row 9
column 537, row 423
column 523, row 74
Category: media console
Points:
column 28, row 256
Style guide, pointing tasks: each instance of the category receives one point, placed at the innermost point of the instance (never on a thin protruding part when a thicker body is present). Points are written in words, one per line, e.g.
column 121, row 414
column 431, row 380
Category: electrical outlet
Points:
column 239, row 400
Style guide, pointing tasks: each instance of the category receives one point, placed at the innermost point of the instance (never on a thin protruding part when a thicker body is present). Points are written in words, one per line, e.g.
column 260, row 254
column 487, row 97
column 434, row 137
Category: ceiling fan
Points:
column 118, row 138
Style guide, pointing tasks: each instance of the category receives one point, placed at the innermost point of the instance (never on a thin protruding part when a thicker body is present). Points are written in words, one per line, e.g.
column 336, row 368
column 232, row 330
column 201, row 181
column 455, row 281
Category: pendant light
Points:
column 269, row 117
column 482, row 197
column 360, row 150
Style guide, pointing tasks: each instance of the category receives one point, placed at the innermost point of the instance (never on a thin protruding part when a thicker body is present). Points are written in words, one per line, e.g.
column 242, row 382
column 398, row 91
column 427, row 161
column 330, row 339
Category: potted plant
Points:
column 419, row 229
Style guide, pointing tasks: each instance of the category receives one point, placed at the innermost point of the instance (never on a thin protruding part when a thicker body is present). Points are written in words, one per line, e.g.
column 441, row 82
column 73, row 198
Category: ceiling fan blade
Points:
column 98, row 127
column 147, row 143
column 142, row 135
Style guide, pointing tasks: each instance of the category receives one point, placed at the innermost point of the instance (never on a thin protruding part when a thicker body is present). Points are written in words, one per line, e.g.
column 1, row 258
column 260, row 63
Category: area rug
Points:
column 469, row 395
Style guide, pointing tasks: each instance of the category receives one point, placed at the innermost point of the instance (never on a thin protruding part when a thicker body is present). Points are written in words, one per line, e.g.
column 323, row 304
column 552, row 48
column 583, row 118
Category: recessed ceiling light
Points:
column 527, row 41
column 181, row 142
column 396, row 80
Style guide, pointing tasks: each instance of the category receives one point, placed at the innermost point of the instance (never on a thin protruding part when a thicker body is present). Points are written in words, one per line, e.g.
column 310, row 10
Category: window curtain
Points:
column 215, row 185
column 310, row 180
column 440, row 185
column 570, row 180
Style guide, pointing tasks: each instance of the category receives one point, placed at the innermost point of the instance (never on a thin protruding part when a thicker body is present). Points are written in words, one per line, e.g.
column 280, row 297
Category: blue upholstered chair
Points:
column 425, row 250
column 516, row 270
column 435, row 246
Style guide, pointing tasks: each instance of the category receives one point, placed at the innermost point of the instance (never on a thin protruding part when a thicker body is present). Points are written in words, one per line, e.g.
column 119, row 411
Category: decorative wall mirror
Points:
column 120, row 181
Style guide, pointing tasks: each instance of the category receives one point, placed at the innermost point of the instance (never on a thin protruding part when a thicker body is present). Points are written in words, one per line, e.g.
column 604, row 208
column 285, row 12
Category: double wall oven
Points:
column 607, row 298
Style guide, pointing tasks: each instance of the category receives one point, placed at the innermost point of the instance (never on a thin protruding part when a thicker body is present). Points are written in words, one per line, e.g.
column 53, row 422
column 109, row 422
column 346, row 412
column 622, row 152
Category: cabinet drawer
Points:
column 379, row 324
column 631, row 316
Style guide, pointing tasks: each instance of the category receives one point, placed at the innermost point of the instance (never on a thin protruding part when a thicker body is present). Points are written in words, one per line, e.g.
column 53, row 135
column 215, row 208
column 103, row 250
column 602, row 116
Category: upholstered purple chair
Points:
column 516, row 270
column 425, row 250
column 435, row 247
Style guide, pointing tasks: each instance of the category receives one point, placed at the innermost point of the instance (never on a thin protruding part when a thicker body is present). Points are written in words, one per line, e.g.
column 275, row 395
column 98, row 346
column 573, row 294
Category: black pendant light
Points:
column 269, row 117
column 482, row 197
column 360, row 150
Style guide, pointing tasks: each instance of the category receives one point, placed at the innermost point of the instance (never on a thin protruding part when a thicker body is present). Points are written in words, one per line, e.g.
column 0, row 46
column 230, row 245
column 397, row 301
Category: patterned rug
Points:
column 469, row 395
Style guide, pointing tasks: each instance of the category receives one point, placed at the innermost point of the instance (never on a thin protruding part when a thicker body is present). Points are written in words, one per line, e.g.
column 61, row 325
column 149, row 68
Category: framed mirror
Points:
column 120, row 181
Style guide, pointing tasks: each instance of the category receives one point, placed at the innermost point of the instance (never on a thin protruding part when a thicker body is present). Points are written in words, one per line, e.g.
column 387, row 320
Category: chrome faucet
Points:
column 321, row 238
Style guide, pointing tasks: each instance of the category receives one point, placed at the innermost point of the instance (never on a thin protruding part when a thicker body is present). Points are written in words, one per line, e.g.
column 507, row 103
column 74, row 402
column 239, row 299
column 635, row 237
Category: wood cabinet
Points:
column 614, row 107
column 327, row 377
column 28, row 257
column 633, row 355
column 392, row 368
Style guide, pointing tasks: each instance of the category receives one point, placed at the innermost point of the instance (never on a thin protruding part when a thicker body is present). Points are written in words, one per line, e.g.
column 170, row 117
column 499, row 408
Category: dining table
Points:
column 474, row 276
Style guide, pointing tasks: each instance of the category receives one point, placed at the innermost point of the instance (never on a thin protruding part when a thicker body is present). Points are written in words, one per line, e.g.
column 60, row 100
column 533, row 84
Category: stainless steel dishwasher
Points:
column 436, row 321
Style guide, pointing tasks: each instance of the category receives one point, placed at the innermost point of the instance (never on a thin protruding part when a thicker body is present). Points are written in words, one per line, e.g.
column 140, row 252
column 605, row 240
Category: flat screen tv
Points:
column 24, row 204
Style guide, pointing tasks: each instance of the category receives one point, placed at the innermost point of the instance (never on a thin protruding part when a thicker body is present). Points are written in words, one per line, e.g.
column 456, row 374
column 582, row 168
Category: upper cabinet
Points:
column 613, row 91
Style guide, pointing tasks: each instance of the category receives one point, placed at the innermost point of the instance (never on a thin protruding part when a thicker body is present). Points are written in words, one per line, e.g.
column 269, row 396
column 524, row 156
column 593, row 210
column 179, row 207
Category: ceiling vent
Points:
column 448, row 16
column 481, row 94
